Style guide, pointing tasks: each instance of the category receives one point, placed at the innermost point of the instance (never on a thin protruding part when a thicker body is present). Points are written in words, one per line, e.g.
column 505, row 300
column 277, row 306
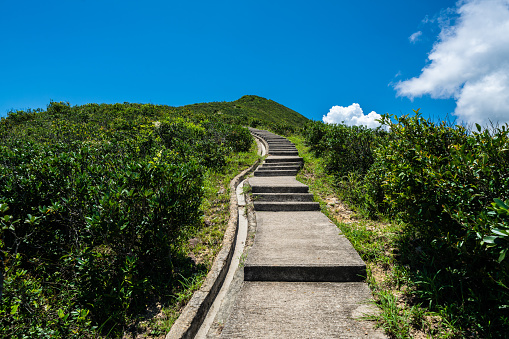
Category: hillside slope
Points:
column 250, row 110
column 104, row 199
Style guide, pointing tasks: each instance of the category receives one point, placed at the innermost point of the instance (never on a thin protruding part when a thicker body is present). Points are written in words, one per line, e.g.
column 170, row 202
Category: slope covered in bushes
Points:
column 447, row 184
column 255, row 111
column 97, row 203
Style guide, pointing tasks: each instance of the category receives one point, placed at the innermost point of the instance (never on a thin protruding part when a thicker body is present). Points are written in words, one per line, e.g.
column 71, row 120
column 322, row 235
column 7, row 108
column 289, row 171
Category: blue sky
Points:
column 317, row 58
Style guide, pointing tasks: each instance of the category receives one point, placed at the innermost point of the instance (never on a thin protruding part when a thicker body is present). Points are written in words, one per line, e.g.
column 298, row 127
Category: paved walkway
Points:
column 302, row 278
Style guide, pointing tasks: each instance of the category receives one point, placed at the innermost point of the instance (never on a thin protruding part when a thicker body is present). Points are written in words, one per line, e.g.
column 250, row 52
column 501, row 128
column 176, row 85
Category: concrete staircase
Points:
column 302, row 278
column 274, row 187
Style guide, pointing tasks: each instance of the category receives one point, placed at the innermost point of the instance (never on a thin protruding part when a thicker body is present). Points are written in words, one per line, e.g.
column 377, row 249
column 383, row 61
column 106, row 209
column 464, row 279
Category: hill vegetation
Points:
column 108, row 210
column 446, row 190
column 255, row 111
column 98, row 203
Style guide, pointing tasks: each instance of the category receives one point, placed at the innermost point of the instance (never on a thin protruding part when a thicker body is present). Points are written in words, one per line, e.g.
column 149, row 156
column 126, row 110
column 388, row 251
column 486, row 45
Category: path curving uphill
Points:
column 302, row 278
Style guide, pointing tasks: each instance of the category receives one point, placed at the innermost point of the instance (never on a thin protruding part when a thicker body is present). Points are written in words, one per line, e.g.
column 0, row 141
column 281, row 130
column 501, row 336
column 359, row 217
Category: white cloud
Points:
column 415, row 37
column 470, row 63
column 351, row 116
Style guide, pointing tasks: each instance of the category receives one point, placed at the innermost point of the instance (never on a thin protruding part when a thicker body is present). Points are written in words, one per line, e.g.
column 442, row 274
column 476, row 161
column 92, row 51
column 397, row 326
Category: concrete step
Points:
column 274, row 159
column 278, row 206
column 283, row 197
column 301, row 310
column 278, row 164
column 279, row 167
column 275, row 172
column 280, row 143
column 301, row 246
column 282, row 148
column 284, row 153
column 277, row 185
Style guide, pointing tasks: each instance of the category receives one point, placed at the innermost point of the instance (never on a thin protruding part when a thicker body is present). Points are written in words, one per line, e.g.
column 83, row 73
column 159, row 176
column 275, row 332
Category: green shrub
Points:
column 95, row 204
column 99, row 219
column 346, row 149
column 440, row 180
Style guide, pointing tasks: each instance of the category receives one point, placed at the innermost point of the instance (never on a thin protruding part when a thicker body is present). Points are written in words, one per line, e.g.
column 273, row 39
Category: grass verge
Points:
column 379, row 244
column 202, row 244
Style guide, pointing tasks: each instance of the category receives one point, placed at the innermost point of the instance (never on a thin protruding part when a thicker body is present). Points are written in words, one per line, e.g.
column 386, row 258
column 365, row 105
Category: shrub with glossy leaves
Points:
column 95, row 202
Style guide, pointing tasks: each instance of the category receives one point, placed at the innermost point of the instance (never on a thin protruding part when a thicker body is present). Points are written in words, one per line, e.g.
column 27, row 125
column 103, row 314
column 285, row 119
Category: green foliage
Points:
column 447, row 184
column 250, row 110
column 440, row 180
column 346, row 149
column 347, row 152
column 95, row 204
column 498, row 238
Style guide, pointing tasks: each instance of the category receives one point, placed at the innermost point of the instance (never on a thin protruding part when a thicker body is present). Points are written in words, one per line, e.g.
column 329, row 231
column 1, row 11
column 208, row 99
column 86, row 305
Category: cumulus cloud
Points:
column 351, row 116
column 469, row 62
column 415, row 37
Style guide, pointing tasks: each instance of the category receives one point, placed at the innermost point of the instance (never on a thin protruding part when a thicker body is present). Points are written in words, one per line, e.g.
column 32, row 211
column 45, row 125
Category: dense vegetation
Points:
column 447, row 185
column 259, row 112
column 97, row 203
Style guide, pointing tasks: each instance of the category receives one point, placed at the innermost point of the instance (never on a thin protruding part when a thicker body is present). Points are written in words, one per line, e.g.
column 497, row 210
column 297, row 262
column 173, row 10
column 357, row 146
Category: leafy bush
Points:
column 348, row 155
column 95, row 202
column 447, row 184
column 440, row 180
column 346, row 149
column 498, row 239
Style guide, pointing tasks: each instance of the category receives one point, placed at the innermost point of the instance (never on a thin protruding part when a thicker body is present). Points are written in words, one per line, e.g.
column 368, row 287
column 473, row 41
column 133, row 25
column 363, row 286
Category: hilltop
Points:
column 251, row 108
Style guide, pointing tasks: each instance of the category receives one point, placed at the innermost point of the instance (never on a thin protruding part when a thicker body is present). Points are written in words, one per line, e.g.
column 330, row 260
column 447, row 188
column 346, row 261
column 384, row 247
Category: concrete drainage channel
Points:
column 301, row 278
column 198, row 315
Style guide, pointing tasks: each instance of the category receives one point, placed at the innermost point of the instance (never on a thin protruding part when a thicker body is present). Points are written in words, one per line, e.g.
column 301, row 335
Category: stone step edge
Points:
column 311, row 273
column 270, row 160
column 286, row 206
column 279, row 189
column 275, row 173
column 266, row 197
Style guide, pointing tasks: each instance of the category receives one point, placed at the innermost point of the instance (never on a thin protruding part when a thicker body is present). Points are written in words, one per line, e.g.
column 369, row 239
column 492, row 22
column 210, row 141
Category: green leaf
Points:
column 501, row 232
column 3, row 207
column 14, row 309
column 502, row 255
column 489, row 239
column 478, row 127
column 500, row 203
column 60, row 313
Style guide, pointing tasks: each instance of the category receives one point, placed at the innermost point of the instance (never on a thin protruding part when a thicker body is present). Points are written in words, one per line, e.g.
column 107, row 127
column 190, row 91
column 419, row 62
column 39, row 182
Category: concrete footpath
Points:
column 301, row 278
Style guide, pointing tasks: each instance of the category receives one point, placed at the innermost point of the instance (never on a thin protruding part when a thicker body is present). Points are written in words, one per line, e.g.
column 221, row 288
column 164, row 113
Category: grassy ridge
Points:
column 254, row 111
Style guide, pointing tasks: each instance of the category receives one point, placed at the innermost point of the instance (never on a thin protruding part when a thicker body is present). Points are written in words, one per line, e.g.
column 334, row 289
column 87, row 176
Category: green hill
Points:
column 251, row 110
